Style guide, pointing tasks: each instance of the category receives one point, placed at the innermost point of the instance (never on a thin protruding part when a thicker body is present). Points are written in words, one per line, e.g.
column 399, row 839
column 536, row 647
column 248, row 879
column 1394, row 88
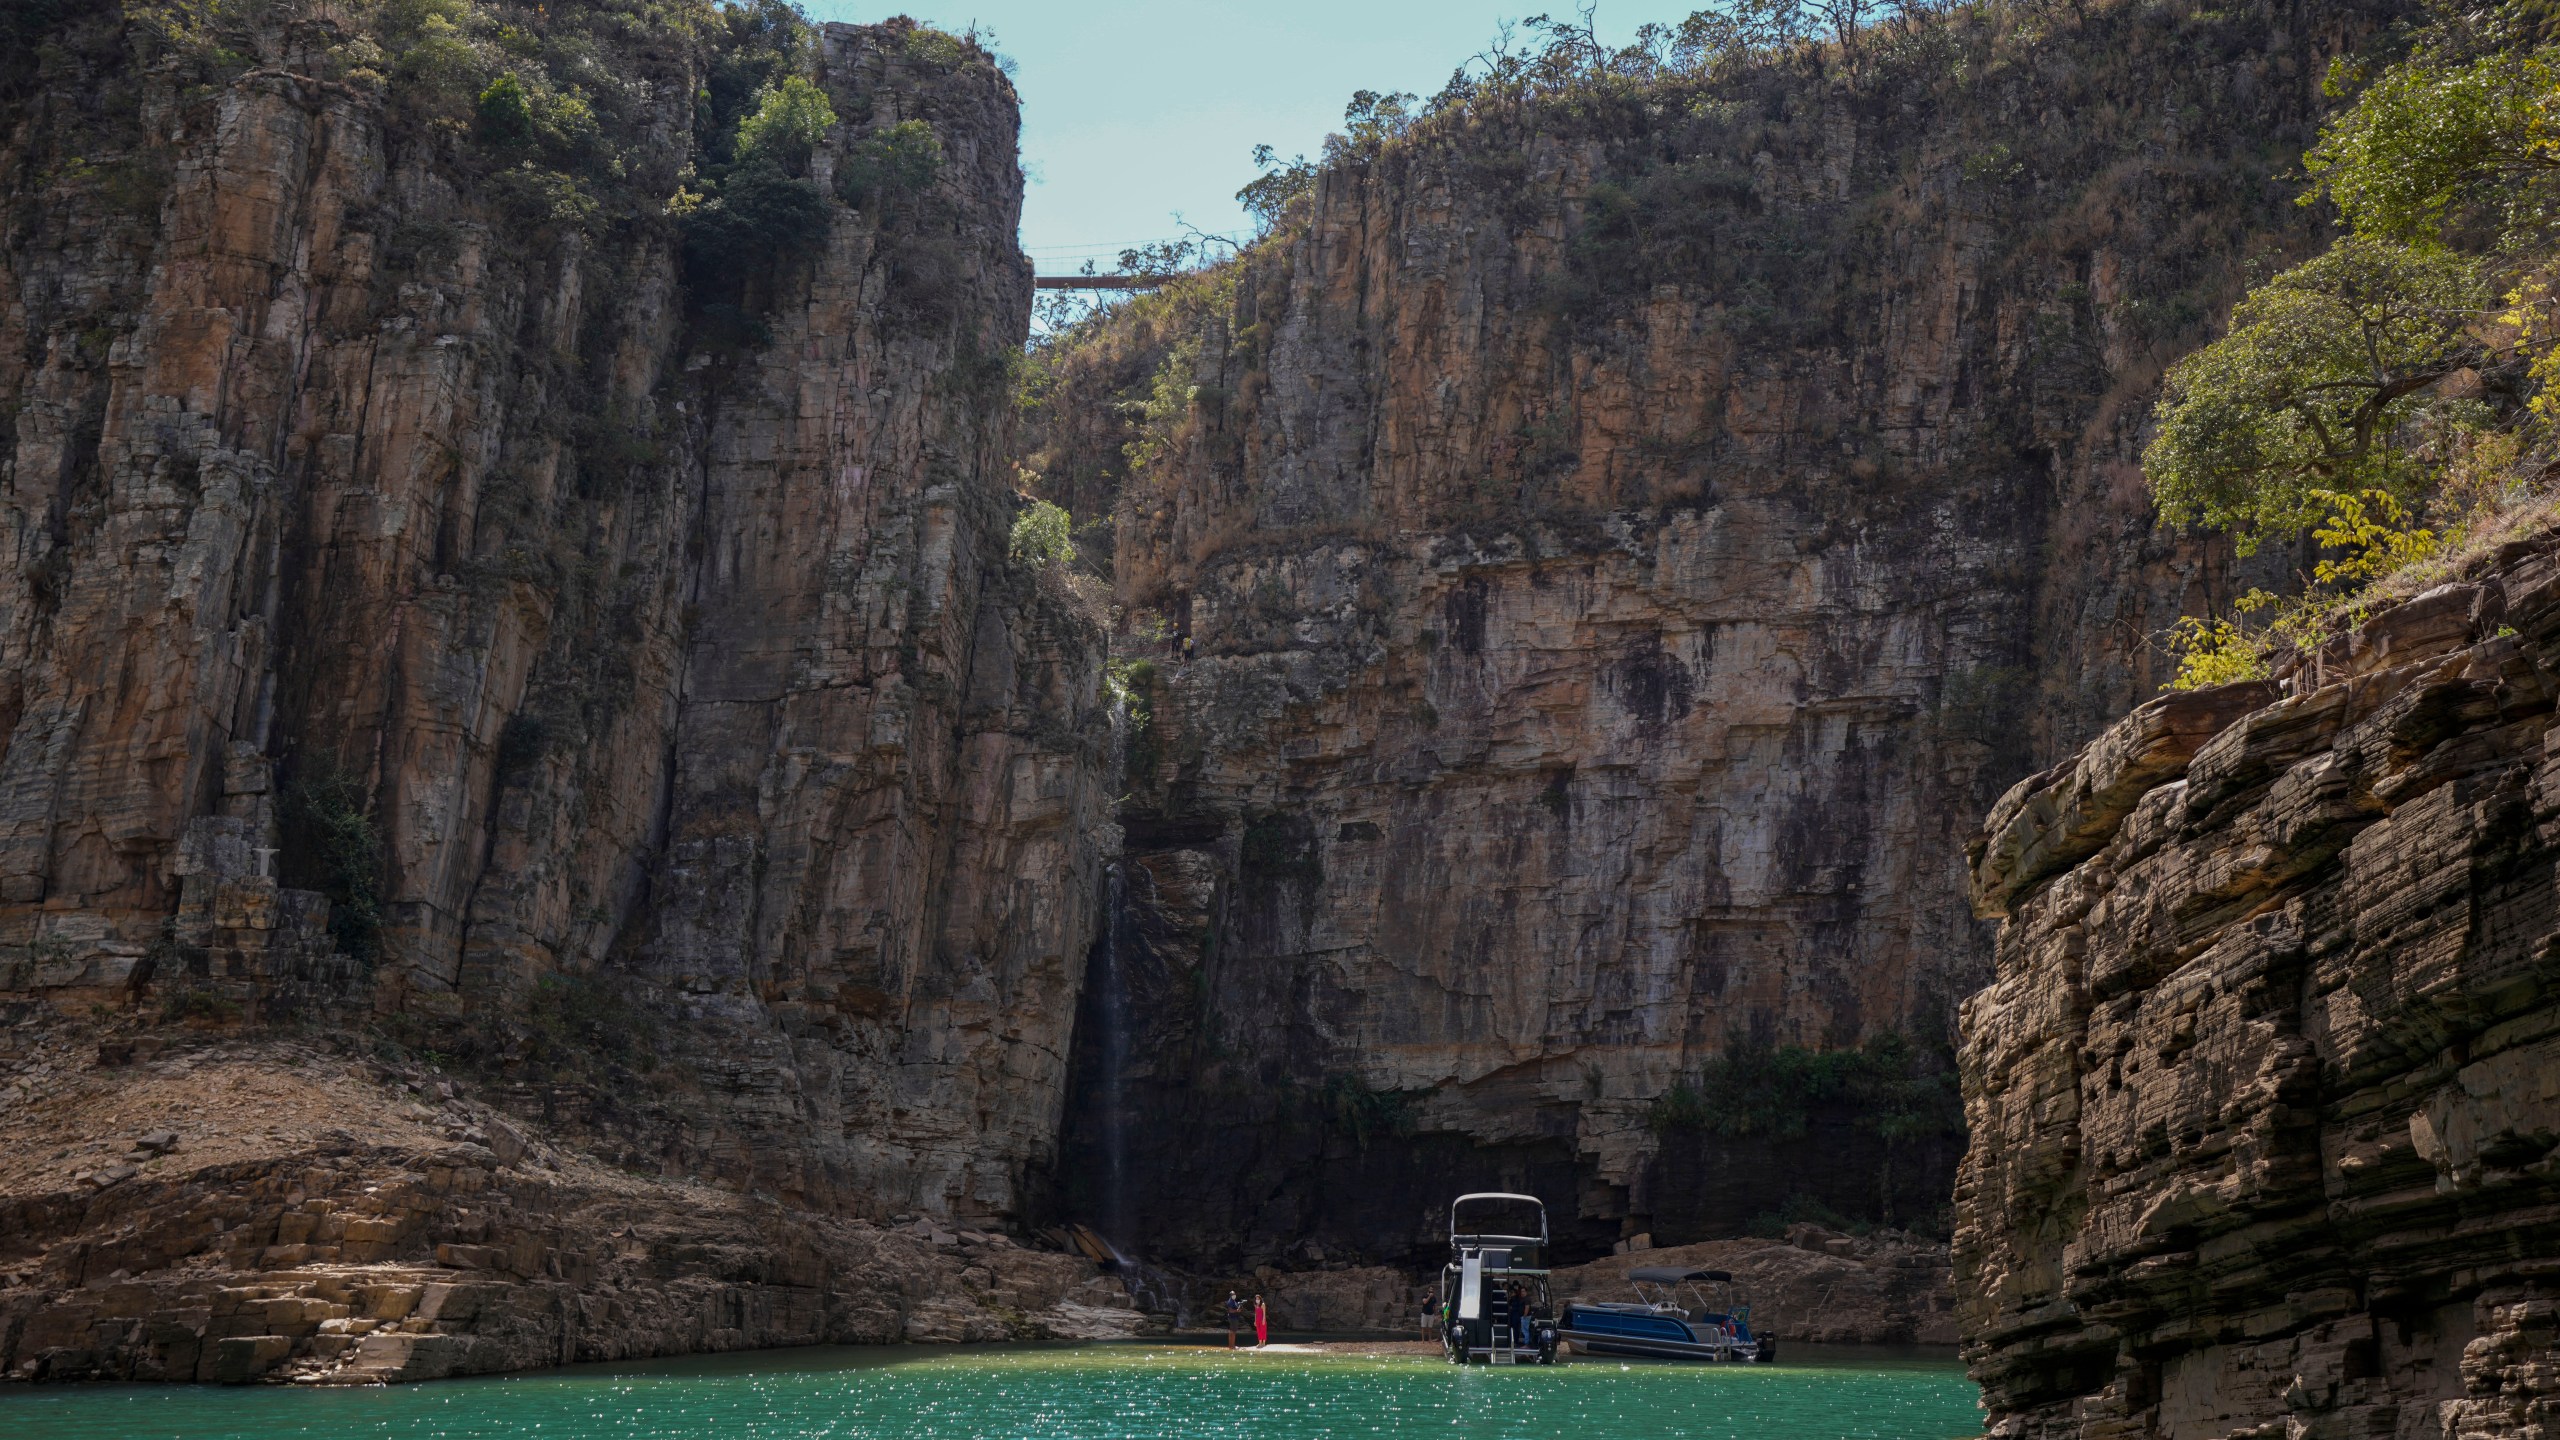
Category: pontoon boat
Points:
column 1678, row 1314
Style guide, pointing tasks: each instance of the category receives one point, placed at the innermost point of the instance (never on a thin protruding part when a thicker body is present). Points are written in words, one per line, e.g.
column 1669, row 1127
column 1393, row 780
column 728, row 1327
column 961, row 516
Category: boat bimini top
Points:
column 1694, row 1294
column 1665, row 1287
column 1499, row 1249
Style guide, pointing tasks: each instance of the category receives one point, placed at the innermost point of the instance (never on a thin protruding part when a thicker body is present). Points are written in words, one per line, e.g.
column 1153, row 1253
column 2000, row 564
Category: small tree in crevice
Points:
column 890, row 165
column 760, row 209
column 327, row 841
column 1041, row 536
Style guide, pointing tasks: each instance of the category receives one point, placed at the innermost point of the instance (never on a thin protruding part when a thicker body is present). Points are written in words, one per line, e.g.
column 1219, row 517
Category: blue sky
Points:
column 1134, row 110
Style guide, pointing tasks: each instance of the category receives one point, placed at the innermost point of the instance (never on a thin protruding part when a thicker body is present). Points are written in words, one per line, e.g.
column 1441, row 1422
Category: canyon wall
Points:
column 1595, row 561
column 528, row 759
column 740, row 707
column 439, row 615
column 2265, row 1095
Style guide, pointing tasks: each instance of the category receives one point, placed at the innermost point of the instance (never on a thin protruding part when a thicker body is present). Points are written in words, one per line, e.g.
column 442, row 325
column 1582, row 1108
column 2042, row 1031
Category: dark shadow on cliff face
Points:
column 1704, row 1186
column 1233, row 1160
column 1243, row 1148
column 1225, row 1186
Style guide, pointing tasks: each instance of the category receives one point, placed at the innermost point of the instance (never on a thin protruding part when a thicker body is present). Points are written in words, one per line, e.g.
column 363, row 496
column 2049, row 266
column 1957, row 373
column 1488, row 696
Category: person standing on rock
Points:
column 1235, row 1314
column 1261, row 1324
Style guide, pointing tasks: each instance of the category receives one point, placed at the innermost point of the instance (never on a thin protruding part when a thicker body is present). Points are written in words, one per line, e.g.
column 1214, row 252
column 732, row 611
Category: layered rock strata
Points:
column 1598, row 560
column 229, row 1212
column 2266, row 1094
column 445, row 604
column 687, row 671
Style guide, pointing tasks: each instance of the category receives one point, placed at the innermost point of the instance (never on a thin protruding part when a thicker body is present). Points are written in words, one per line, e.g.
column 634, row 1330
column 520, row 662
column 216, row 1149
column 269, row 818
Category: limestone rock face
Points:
column 418, row 610
column 2265, row 1094
column 1579, row 652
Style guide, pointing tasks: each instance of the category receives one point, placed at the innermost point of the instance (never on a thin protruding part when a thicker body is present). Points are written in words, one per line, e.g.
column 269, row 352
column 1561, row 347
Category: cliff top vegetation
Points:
column 556, row 111
column 2387, row 405
column 1760, row 160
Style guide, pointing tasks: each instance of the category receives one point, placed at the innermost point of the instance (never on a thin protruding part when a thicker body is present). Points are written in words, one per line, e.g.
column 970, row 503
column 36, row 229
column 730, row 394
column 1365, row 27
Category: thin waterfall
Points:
column 1155, row 1291
column 1112, row 1011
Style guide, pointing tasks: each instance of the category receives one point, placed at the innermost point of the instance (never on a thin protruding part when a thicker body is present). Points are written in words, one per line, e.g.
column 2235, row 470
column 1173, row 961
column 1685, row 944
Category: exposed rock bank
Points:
column 2266, row 1096
column 441, row 609
column 283, row 1213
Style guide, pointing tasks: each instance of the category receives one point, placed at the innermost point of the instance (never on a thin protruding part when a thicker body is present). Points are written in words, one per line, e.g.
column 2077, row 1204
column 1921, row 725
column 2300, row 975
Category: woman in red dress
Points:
column 1261, row 1323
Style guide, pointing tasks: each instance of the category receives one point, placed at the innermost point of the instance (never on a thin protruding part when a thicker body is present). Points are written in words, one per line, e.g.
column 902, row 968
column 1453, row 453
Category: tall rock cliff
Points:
column 2266, row 1094
column 438, row 612
column 1598, row 557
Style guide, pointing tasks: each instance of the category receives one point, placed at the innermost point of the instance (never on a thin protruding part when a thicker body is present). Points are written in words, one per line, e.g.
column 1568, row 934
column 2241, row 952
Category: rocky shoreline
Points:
column 1883, row 1288
column 214, row 1209
column 234, row 1212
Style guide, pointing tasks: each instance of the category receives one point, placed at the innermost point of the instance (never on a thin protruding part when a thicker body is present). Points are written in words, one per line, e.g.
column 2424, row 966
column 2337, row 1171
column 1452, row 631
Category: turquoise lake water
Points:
column 1103, row 1392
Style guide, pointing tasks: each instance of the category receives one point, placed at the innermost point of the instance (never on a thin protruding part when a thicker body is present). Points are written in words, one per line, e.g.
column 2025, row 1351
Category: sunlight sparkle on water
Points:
column 1096, row 1393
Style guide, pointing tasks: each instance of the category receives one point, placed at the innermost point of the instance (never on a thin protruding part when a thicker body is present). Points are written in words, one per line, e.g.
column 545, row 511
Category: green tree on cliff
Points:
column 760, row 208
column 789, row 121
column 1041, row 536
column 1267, row 196
column 2330, row 382
column 2394, row 394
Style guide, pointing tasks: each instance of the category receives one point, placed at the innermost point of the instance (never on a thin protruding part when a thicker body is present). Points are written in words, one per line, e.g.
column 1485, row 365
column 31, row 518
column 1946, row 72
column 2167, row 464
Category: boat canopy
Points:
column 1674, row 1275
column 1489, row 1198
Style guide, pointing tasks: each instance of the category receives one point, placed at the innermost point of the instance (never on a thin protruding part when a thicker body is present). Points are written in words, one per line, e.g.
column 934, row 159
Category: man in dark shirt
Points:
column 1235, row 1311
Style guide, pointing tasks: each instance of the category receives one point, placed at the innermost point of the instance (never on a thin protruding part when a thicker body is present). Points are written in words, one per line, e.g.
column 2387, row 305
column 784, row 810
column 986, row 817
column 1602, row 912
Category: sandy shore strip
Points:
column 1354, row 1345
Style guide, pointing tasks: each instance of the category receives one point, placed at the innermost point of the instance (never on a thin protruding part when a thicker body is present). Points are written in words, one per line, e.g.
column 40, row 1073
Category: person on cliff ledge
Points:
column 1261, row 1324
column 1235, row 1315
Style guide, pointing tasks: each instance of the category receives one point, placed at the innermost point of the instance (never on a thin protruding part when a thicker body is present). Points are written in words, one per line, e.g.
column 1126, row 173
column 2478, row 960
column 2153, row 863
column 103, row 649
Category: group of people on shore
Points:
column 1235, row 1315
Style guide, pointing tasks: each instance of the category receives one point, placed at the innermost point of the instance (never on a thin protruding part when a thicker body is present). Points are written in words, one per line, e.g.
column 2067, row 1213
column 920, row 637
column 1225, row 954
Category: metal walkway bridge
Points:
column 1097, row 282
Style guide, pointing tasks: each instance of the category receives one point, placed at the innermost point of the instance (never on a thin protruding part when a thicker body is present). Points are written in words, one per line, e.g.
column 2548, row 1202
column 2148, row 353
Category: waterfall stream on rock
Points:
column 1113, row 1012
